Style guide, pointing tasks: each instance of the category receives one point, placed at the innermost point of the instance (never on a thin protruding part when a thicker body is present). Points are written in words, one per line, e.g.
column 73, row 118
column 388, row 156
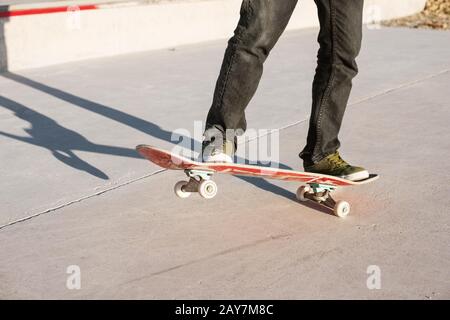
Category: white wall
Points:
column 45, row 39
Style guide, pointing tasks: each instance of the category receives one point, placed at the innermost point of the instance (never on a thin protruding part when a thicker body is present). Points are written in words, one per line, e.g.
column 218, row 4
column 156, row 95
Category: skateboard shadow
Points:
column 273, row 188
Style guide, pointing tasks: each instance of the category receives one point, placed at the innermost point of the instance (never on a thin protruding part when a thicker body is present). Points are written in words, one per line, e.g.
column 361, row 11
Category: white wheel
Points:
column 341, row 209
column 301, row 193
column 207, row 189
column 179, row 189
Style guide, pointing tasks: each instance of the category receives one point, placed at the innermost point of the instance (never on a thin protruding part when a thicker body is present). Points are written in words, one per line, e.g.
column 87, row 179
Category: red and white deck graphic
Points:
column 168, row 160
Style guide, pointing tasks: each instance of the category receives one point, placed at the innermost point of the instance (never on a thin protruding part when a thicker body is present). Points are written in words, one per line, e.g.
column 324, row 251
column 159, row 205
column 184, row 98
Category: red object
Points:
column 27, row 12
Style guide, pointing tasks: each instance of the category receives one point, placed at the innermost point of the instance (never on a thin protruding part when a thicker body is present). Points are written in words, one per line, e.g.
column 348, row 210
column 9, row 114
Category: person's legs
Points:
column 340, row 42
column 261, row 24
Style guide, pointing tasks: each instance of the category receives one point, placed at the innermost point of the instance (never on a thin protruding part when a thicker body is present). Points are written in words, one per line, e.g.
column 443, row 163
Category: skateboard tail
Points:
column 163, row 158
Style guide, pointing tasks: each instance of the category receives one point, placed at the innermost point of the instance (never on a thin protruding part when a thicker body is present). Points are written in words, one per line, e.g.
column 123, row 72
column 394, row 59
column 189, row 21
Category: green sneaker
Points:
column 334, row 165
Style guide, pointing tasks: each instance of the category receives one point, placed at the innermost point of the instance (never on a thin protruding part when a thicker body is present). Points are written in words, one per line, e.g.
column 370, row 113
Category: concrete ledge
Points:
column 88, row 29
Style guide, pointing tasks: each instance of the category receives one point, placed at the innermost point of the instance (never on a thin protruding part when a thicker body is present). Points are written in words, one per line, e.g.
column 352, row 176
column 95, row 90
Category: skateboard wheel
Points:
column 207, row 189
column 179, row 189
column 301, row 193
column 341, row 209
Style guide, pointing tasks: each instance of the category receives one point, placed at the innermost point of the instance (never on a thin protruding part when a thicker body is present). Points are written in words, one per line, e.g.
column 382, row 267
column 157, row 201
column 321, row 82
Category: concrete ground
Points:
column 74, row 192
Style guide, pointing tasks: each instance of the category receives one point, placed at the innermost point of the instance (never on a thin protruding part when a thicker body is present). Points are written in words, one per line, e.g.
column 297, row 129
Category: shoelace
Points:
column 337, row 161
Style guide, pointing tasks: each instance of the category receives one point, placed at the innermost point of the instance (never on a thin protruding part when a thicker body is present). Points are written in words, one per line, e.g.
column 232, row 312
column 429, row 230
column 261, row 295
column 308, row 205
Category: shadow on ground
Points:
column 62, row 142
column 265, row 185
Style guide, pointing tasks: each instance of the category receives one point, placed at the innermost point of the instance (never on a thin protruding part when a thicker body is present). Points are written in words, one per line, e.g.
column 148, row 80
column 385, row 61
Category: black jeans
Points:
column 261, row 24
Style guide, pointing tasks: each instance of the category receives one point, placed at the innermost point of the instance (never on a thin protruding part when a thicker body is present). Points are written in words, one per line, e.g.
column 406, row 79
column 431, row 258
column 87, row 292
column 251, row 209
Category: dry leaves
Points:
column 436, row 15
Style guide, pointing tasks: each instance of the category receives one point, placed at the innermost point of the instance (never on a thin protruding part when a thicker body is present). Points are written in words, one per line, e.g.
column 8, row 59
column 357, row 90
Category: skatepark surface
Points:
column 75, row 192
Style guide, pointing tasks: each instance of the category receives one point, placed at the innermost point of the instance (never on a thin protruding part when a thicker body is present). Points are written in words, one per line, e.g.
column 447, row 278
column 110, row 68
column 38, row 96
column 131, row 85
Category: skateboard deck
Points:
column 317, row 189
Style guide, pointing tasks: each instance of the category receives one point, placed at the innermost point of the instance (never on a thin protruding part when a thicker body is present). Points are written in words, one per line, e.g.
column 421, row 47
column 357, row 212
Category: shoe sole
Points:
column 360, row 175
column 218, row 158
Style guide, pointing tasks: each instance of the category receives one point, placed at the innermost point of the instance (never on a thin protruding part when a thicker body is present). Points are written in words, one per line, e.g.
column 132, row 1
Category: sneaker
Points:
column 334, row 165
column 212, row 152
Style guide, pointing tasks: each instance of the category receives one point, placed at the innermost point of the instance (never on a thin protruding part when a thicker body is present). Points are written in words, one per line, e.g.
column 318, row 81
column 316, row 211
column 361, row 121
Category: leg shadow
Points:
column 61, row 142
column 144, row 126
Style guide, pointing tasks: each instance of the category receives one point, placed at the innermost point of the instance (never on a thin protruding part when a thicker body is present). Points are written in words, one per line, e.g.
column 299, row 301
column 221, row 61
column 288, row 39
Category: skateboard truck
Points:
column 321, row 194
column 199, row 181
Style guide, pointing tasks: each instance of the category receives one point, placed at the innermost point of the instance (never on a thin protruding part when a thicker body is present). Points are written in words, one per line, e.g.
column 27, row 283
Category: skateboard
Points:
column 316, row 188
